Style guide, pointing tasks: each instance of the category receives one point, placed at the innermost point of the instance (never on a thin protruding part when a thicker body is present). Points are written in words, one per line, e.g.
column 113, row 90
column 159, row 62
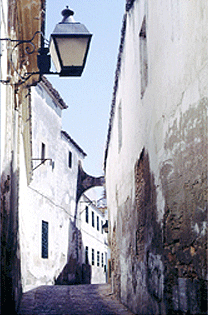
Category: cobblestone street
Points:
column 76, row 299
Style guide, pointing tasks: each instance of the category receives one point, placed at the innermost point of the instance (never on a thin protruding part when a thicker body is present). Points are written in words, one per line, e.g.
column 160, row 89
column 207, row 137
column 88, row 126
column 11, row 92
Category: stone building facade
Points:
column 156, row 158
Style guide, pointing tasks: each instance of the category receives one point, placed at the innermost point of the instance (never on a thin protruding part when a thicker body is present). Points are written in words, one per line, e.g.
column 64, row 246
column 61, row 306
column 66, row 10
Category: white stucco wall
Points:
column 177, row 76
column 5, row 93
column 49, row 197
column 170, row 122
column 94, row 239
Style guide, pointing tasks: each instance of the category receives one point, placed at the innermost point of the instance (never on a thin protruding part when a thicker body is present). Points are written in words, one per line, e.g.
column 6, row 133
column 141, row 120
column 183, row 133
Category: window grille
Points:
column 44, row 239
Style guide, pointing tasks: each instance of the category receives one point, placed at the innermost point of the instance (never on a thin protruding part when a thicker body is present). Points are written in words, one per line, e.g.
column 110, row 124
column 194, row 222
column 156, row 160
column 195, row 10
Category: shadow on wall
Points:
column 11, row 289
column 75, row 272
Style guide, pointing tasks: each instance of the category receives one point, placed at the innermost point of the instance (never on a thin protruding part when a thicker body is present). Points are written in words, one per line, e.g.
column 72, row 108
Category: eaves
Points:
column 115, row 88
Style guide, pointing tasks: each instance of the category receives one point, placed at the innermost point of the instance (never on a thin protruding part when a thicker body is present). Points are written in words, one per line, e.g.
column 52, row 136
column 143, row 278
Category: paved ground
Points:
column 76, row 299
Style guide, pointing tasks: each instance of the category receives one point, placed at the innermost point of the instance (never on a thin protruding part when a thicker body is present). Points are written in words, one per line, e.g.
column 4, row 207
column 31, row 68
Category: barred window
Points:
column 44, row 239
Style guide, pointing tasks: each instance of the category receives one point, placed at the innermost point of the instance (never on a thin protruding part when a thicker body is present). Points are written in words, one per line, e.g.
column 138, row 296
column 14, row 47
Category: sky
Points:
column 89, row 96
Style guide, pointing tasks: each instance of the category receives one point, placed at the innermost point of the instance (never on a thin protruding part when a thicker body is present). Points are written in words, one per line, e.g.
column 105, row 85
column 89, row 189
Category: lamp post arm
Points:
column 29, row 50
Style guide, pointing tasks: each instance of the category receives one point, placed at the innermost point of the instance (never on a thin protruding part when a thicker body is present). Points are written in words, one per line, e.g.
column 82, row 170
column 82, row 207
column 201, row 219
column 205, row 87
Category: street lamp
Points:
column 69, row 45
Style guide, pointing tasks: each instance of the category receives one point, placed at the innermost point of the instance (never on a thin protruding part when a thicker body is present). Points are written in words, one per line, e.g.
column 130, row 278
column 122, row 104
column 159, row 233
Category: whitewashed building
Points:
column 47, row 204
column 156, row 158
column 94, row 249
column 18, row 20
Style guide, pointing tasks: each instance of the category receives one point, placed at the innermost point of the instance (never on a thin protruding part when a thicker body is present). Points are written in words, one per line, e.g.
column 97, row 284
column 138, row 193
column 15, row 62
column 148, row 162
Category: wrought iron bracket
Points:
column 42, row 162
column 43, row 59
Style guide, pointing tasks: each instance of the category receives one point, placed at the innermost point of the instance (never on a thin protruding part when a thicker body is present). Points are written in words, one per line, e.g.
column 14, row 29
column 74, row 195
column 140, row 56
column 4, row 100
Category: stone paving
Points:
column 75, row 299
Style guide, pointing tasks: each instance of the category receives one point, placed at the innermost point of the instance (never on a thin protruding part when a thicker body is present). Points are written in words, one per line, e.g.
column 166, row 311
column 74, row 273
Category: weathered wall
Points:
column 156, row 158
column 19, row 20
column 51, row 195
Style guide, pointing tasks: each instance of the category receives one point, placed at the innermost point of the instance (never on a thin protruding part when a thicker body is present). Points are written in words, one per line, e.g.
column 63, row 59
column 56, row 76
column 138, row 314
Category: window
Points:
column 119, row 127
column 93, row 219
column 98, row 227
column 44, row 239
column 70, row 160
column 87, row 214
column 93, row 257
column 101, row 226
column 98, row 259
column 143, row 57
column 86, row 255
column 43, row 151
column 102, row 260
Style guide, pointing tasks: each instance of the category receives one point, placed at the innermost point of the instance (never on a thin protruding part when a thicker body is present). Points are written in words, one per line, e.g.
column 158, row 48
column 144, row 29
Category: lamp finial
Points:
column 66, row 14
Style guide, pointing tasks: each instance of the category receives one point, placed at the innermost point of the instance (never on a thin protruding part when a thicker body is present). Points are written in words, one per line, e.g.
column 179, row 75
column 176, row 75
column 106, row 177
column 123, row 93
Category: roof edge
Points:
column 53, row 92
column 115, row 88
column 69, row 139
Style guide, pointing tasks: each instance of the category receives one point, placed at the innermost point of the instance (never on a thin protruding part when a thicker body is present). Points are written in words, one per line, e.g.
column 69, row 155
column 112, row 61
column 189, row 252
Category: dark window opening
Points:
column 93, row 219
column 87, row 214
column 44, row 239
column 70, row 160
column 93, row 257
column 98, row 225
column 98, row 259
column 102, row 260
column 143, row 57
column 86, row 255
column 43, row 149
column 101, row 226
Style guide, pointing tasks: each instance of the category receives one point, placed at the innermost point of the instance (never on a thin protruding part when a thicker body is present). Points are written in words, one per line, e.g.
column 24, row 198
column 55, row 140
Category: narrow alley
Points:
column 75, row 299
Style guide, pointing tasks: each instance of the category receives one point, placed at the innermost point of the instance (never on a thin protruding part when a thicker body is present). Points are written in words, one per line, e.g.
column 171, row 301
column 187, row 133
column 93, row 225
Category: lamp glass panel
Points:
column 54, row 56
column 72, row 50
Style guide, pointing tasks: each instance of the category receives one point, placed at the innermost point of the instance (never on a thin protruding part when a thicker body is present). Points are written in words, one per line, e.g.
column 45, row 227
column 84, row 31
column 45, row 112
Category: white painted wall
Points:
column 177, row 35
column 49, row 197
column 169, row 121
column 93, row 238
